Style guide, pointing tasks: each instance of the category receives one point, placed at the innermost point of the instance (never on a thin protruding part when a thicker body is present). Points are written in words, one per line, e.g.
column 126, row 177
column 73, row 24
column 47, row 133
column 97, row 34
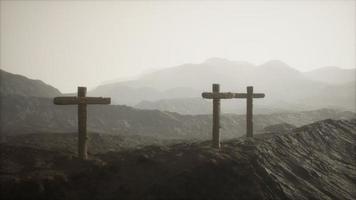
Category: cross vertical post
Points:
column 249, row 96
column 216, row 96
column 82, row 124
column 216, row 117
column 249, row 112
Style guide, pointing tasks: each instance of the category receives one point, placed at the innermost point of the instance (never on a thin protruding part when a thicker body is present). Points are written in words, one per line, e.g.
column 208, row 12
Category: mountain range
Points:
column 178, row 89
column 23, row 113
column 152, row 154
column 332, row 75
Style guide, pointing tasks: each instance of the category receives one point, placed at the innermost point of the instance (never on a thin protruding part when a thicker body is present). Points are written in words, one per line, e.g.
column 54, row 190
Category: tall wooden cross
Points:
column 249, row 96
column 81, row 100
column 216, row 95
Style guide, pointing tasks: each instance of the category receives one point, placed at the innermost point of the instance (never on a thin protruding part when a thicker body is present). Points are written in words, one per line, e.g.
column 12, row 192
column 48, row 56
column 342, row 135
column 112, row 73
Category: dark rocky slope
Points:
column 97, row 143
column 316, row 161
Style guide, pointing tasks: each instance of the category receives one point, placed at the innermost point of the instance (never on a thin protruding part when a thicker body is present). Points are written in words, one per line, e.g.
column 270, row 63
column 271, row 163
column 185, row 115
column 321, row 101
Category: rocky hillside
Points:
column 316, row 161
column 13, row 84
column 22, row 115
column 97, row 143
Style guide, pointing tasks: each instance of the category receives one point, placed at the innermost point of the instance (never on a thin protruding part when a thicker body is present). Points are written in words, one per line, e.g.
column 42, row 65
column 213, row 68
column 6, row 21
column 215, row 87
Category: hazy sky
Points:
column 71, row 43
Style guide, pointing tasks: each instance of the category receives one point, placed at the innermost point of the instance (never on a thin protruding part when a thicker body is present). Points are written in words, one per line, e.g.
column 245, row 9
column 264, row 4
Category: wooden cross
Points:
column 81, row 100
column 249, row 113
column 216, row 95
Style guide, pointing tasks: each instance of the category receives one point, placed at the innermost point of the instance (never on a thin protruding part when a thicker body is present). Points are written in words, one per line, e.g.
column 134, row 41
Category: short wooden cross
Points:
column 216, row 95
column 81, row 100
column 249, row 112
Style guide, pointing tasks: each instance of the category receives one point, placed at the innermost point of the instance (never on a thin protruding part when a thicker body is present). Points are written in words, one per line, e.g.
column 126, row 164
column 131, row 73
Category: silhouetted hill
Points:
column 22, row 115
column 284, row 87
column 198, row 105
column 280, row 128
column 193, row 106
column 13, row 84
column 332, row 75
column 341, row 96
column 316, row 161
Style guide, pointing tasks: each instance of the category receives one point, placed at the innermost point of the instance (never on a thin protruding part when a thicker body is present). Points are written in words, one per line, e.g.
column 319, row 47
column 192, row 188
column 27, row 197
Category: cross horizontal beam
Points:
column 220, row 95
column 244, row 95
column 80, row 100
column 230, row 95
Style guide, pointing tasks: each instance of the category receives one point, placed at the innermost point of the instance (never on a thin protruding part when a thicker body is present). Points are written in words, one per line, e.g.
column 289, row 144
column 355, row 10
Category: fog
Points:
column 71, row 43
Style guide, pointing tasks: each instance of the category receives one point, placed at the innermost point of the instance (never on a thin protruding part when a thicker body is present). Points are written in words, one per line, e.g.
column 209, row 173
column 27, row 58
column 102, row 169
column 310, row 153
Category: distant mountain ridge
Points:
column 14, row 84
column 332, row 75
column 24, row 115
column 280, row 82
column 178, row 89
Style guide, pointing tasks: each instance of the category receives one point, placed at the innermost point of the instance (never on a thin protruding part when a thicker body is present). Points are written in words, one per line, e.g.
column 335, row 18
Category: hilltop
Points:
column 14, row 84
column 311, row 162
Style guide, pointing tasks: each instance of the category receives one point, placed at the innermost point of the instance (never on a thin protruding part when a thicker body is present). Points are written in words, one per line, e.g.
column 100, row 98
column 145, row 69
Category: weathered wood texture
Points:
column 216, row 117
column 222, row 95
column 244, row 95
column 77, row 100
column 249, row 107
column 216, row 95
column 81, row 100
column 230, row 95
column 82, row 125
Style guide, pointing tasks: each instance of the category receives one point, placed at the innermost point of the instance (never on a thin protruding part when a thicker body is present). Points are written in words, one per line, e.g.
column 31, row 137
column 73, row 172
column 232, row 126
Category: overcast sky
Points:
column 71, row 43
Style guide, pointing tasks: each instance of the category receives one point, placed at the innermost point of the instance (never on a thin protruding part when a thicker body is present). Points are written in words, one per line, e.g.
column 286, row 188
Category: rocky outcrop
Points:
column 316, row 161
